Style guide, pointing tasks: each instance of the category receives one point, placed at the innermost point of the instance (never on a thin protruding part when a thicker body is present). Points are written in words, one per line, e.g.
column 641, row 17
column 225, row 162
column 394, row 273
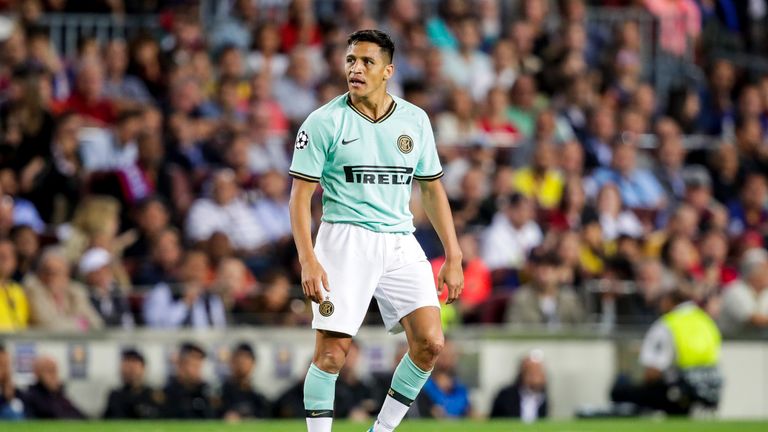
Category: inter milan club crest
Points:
column 326, row 308
column 302, row 140
column 404, row 143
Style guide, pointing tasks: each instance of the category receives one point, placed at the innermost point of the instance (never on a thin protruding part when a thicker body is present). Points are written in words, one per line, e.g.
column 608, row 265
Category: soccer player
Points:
column 366, row 148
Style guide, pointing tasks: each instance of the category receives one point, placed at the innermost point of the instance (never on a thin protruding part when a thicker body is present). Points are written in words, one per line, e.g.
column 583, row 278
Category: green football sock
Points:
column 319, row 391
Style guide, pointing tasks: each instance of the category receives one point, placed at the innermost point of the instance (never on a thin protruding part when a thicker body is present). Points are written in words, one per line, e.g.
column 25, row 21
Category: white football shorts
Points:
column 362, row 264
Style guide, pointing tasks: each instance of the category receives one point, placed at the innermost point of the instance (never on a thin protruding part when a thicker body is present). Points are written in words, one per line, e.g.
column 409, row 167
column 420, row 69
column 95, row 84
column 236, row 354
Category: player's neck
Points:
column 373, row 106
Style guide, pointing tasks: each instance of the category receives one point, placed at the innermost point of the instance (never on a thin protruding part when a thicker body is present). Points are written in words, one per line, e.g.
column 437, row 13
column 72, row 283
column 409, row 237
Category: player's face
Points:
column 368, row 68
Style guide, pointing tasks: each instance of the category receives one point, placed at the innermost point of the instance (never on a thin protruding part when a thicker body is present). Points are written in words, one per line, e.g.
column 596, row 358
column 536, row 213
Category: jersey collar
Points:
column 386, row 115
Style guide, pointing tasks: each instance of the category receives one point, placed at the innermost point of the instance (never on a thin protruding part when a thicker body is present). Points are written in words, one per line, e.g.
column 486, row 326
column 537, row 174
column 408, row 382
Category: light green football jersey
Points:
column 366, row 167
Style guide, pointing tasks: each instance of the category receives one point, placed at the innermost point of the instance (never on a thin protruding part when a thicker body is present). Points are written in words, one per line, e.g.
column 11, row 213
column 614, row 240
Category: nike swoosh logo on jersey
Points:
column 345, row 142
column 319, row 413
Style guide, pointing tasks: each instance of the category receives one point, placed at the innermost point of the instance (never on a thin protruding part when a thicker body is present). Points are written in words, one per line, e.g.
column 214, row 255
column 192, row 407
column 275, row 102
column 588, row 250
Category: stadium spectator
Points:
column 15, row 210
column 88, row 98
column 187, row 395
column 510, row 237
column 445, row 396
column 54, row 185
column 540, row 180
column 125, row 90
column 642, row 306
column 477, row 279
column 235, row 28
column 25, row 123
column 543, row 300
column 747, row 212
column 239, row 398
column 458, row 125
column 103, row 150
column 11, row 404
column 698, row 194
column 233, row 282
column 190, row 303
column 671, row 156
column 745, row 301
column 226, row 212
column 134, row 399
column 637, row 186
column 296, row 90
column 272, row 305
column 271, row 209
column 354, row 397
column 106, row 297
column 163, row 263
column 14, row 309
column 467, row 66
column 498, row 129
column 615, row 220
column 151, row 218
column 526, row 398
column 525, row 105
column 46, row 399
column 680, row 356
column 598, row 137
column 56, row 301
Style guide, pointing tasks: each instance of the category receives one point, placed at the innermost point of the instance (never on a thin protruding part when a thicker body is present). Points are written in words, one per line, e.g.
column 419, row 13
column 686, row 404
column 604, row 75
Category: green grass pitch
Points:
column 637, row 425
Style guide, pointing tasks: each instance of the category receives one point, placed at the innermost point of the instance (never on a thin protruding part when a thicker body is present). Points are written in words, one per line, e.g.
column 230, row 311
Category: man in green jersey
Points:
column 366, row 148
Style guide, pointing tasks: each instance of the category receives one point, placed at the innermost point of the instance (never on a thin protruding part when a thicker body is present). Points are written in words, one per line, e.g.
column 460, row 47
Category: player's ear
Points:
column 388, row 71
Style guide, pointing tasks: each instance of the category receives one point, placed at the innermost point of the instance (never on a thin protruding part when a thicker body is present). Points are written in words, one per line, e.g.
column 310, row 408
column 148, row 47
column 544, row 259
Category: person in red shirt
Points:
column 477, row 278
column 87, row 99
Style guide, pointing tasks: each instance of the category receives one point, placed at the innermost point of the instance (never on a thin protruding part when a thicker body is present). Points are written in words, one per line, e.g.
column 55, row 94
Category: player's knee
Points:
column 429, row 347
column 330, row 360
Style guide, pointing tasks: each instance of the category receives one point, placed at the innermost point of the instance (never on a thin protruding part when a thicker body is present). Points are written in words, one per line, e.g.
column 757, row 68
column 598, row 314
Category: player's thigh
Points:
column 402, row 291
column 353, row 271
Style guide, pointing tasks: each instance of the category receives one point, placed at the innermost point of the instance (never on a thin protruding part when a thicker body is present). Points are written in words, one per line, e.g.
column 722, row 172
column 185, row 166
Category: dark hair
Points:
column 188, row 348
column 245, row 348
column 377, row 37
column 133, row 354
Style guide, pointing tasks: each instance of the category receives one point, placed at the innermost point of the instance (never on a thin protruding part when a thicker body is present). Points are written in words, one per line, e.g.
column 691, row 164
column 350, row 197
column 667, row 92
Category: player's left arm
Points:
column 435, row 203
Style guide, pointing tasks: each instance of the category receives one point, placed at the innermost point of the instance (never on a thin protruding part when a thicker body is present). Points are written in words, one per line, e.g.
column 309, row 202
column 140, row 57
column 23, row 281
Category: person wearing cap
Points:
column 187, row 395
column 96, row 270
column 745, row 300
column 239, row 399
column 680, row 356
column 543, row 300
column 134, row 399
column 526, row 398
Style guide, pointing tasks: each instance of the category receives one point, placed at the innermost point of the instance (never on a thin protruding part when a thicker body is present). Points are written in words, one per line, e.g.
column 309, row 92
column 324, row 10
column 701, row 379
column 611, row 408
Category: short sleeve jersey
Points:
column 365, row 166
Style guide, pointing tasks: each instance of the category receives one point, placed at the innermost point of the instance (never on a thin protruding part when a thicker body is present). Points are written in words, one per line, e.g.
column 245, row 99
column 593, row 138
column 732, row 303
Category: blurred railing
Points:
column 66, row 30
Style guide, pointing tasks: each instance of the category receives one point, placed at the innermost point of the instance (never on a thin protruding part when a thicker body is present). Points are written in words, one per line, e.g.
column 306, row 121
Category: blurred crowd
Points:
column 143, row 181
column 237, row 394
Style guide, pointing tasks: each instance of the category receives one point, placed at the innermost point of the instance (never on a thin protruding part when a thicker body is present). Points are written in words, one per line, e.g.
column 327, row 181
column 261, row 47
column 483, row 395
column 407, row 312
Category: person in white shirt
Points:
column 745, row 300
column 511, row 235
column 227, row 213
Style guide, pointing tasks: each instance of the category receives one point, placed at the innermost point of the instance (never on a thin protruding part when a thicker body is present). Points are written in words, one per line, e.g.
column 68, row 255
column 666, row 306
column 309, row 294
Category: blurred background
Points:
column 598, row 156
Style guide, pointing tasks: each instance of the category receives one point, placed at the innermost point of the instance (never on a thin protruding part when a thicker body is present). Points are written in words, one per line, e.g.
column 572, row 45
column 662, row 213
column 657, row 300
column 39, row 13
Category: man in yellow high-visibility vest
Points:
column 680, row 356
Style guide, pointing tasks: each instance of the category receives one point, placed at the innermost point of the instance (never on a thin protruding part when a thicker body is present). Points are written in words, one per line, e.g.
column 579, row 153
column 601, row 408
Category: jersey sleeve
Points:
column 311, row 148
column 428, row 167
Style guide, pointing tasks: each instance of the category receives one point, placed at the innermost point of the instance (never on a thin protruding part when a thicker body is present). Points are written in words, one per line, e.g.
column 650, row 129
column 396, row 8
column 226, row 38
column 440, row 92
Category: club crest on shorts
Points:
column 302, row 141
column 326, row 308
column 405, row 143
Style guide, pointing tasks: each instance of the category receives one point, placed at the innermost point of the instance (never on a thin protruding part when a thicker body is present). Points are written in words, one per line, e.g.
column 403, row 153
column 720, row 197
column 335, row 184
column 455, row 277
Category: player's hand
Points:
column 313, row 280
column 452, row 275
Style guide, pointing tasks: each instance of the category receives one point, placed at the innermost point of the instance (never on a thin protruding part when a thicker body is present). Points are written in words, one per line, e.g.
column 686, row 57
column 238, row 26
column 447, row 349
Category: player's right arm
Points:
column 313, row 276
column 309, row 156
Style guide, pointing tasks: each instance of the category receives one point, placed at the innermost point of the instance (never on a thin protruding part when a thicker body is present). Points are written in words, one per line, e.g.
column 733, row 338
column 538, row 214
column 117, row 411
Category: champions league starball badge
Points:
column 302, row 141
